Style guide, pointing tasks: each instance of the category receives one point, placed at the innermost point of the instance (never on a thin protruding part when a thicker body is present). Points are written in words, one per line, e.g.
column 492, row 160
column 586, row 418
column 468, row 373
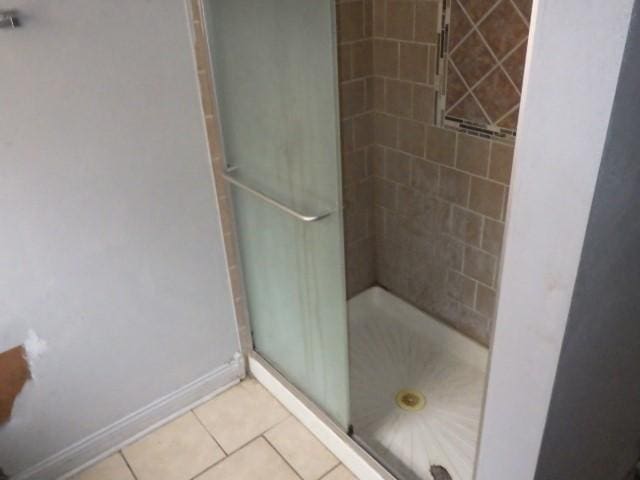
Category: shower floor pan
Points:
column 416, row 388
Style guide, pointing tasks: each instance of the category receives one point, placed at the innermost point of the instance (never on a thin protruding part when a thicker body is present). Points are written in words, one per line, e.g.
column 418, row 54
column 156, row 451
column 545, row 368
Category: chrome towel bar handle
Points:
column 300, row 216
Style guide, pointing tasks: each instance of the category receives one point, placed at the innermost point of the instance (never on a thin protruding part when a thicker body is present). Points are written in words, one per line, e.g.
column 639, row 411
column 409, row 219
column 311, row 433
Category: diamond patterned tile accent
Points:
column 468, row 109
column 487, row 47
column 503, row 28
column 459, row 26
column 473, row 59
column 476, row 8
column 514, row 65
column 455, row 88
column 510, row 121
column 497, row 94
column 524, row 6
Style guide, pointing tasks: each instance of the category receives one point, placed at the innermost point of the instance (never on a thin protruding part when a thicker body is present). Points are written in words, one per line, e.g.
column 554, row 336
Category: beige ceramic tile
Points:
column 240, row 414
column 340, row 473
column 111, row 468
column 256, row 461
column 178, row 451
column 301, row 449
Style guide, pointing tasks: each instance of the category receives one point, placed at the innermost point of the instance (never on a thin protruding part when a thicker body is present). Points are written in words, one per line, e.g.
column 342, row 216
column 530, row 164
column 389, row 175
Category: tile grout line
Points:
column 264, row 437
column 210, row 433
column 133, row 474
column 323, row 477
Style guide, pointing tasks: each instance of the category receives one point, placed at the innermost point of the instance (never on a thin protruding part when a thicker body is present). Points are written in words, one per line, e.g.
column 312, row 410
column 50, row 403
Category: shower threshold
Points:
column 416, row 388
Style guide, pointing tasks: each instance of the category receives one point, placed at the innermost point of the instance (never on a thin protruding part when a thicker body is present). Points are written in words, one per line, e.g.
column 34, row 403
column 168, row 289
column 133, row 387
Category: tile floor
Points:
column 242, row 434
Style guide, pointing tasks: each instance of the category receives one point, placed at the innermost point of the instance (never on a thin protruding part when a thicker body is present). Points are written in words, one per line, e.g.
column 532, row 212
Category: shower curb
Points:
column 354, row 457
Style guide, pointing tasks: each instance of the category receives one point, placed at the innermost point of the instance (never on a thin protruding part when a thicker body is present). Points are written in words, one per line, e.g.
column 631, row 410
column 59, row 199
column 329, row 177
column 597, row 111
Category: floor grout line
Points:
column 121, row 453
column 210, row 433
column 330, row 471
column 281, row 455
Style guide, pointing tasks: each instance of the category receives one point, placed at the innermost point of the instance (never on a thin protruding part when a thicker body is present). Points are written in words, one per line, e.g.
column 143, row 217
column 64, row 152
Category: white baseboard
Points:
column 112, row 438
column 354, row 457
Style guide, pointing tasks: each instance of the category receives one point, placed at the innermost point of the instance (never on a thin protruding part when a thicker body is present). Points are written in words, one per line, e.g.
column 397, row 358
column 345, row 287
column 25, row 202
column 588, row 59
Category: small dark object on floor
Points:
column 3, row 476
column 440, row 473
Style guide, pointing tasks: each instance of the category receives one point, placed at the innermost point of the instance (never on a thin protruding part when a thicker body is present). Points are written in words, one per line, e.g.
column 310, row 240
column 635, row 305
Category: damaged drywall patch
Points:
column 16, row 367
column 14, row 373
column 34, row 348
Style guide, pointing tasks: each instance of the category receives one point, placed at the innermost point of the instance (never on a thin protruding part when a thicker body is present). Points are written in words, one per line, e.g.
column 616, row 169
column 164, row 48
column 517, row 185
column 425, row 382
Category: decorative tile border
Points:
column 506, row 64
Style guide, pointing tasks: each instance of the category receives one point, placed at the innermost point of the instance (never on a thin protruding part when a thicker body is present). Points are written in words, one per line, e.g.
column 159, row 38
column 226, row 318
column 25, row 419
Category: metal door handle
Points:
column 300, row 216
column 9, row 19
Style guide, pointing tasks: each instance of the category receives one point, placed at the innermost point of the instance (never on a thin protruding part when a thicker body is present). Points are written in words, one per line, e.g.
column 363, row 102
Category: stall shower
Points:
column 429, row 97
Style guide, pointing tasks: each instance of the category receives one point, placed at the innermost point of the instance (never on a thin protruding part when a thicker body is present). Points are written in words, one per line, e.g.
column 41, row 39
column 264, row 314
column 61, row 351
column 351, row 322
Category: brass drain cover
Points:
column 410, row 400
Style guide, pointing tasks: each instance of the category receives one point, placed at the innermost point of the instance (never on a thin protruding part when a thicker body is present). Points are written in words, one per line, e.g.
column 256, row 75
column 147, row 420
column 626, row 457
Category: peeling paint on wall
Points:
column 34, row 348
column 16, row 367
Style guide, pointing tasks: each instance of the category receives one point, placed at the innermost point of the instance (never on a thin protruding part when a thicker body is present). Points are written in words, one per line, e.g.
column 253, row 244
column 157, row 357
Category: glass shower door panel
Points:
column 275, row 72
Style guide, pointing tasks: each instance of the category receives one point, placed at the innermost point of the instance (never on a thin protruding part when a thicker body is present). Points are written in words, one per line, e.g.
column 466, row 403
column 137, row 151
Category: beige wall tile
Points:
column 240, row 414
column 397, row 166
column 354, row 166
column 411, row 137
column 398, row 96
column 426, row 22
column 363, row 130
column 384, row 193
column 425, row 176
column 375, row 158
column 352, row 98
column 441, row 145
column 486, row 197
column 479, row 265
column 473, row 154
column 461, row 288
column 360, row 266
column 423, row 104
column 379, row 17
column 256, row 461
column 386, row 130
column 492, row 236
column 413, row 62
column 177, row 451
column 385, row 58
column 301, row 449
column 347, row 143
column 486, row 300
column 399, row 19
column 111, row 468
column 378, row 94
column 501, row 162
column 345, row 62
column 466, row 225
column 454, row 186
column 362, row 58
column 350, row 21
column 368, row 18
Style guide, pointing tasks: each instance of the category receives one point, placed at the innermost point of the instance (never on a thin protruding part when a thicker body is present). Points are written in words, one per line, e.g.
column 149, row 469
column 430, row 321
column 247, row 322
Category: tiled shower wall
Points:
column 355, row 51
column 439, row 196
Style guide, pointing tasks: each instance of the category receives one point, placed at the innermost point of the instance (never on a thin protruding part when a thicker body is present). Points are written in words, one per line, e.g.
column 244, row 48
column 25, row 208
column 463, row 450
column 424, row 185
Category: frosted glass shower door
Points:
column 275, row 72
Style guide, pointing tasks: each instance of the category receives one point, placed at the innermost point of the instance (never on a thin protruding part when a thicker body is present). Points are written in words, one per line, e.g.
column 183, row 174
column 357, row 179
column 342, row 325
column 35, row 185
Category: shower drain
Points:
column 410, row 400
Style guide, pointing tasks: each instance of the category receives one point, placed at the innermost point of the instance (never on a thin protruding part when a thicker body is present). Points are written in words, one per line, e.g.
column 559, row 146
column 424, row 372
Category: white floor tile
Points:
column 340, row 473
column 111, row 468
column 240, row 414
column 177, row 451
column 301, row 449
column 256, row 461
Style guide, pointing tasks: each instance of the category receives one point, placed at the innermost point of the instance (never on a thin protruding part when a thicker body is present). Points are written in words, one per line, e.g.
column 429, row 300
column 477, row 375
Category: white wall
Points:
column 110, row 244
column 573, row 64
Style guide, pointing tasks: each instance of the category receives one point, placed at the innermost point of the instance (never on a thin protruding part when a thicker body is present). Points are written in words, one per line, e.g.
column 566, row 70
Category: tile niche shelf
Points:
column 482, row 47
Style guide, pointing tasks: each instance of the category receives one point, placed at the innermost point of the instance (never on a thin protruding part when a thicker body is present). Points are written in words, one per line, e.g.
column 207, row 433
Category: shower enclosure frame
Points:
column 506, row 447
